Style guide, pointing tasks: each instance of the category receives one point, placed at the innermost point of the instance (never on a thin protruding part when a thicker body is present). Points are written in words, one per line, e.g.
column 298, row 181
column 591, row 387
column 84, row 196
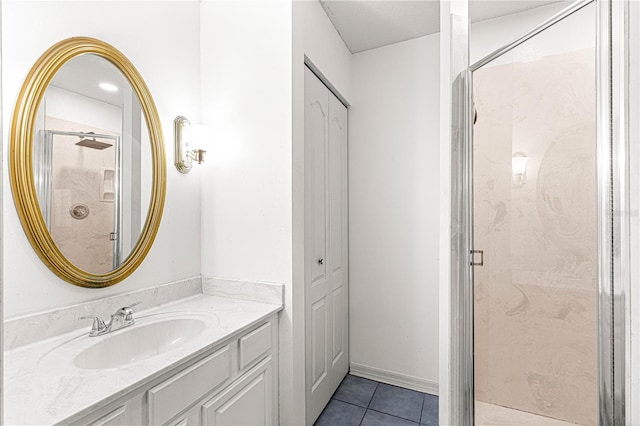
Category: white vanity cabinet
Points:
column 233, row 384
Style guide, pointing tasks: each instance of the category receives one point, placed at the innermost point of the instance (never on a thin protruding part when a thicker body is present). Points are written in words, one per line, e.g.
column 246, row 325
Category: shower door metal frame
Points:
column 612, row 206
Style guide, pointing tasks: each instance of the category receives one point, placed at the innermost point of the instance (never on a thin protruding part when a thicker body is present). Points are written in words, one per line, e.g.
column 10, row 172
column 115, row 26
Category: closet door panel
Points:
column 326, row 271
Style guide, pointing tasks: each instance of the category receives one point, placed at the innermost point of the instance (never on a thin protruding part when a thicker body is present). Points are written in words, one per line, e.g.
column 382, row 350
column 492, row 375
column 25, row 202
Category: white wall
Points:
column 246, row 99
column 162, row 41
column 393, row 214
column 314, row 37
column 78, row 108
column 246, row 186
column 317, row 38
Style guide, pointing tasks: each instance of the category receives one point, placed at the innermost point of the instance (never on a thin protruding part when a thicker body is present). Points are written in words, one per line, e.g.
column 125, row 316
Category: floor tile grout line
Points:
column 392, row 415
column 370, row 399
column 421, row 410
column 348, row 402
column 363, row 416
column 398, row 387
column 373, row 394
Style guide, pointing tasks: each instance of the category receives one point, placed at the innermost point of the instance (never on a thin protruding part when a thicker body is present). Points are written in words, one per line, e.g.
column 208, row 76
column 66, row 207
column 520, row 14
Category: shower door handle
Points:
column 473, row 258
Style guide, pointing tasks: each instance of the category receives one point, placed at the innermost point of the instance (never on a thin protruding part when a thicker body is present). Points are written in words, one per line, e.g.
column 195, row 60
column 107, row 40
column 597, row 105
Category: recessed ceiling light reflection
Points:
column 108, row 87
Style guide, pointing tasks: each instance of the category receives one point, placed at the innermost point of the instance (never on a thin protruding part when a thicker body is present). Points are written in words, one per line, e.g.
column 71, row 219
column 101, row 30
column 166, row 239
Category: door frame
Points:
column 613, row 213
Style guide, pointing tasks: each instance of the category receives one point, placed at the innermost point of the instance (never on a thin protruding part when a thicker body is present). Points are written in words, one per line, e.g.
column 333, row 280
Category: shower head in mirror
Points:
column 92, row 143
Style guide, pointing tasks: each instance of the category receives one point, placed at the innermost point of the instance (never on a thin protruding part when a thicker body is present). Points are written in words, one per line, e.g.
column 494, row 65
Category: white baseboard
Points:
column 396, row 379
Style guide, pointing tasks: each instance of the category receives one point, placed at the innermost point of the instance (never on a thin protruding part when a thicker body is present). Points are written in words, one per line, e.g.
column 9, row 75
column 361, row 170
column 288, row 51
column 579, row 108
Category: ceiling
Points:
column 83, row 73
column 367, row 24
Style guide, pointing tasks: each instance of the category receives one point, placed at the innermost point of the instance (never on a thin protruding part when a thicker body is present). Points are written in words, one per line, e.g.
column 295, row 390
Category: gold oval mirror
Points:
column 87, row 162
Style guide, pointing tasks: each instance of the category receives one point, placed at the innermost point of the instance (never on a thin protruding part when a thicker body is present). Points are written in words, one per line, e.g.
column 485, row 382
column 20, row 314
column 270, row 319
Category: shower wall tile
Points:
column 535, row 298
column 76, row 179
column 545, row 361
column 495, row 415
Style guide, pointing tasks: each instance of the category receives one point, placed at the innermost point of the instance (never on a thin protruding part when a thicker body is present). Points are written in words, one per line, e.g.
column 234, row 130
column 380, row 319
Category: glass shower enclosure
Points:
column 77, row 176
column 541, row 302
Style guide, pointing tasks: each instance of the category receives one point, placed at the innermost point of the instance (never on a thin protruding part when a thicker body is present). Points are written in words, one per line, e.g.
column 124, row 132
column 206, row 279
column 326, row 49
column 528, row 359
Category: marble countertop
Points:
column 42, row 385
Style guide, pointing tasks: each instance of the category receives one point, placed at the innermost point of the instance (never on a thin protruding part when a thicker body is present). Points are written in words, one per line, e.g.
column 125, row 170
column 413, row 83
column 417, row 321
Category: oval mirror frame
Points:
column 21, row 160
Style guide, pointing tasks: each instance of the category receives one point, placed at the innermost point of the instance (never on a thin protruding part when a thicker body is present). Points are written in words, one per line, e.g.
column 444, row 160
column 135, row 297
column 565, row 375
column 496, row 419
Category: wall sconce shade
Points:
column 519, row 169
column 183, row 153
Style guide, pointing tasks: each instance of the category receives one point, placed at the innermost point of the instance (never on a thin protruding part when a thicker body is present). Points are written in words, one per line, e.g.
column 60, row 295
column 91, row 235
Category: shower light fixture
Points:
column 183, row 153
column 108, row 87
column 519, row 168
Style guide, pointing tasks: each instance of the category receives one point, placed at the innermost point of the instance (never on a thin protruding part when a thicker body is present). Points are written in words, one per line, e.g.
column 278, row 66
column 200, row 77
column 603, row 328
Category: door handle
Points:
column 321, row 261
column 473, row 258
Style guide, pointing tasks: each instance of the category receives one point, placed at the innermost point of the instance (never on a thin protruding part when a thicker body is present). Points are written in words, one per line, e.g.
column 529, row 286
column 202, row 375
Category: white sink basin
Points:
column 138, row 342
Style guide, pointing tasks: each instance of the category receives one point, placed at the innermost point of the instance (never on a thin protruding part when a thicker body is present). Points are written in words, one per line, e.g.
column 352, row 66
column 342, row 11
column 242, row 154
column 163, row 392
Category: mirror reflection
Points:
column 92, row 163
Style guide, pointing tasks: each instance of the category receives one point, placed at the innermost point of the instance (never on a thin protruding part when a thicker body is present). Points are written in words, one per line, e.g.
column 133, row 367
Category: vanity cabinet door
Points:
column 254, row 346
column 127, row 413
column 190, row 418
column 250, row 401
column 176, row 394
column 114, row 418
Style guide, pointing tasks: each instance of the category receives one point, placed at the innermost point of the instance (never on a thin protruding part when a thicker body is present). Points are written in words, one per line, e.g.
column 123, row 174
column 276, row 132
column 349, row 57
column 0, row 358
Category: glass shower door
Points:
column 535, row 222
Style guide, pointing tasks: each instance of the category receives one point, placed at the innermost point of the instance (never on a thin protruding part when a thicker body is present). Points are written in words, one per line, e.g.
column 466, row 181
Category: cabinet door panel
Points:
column 249, row 402
column 338, row 240
column 119, row 413
column 176, row 394
column 115, row 418
column 254, row 346
column 190, row 418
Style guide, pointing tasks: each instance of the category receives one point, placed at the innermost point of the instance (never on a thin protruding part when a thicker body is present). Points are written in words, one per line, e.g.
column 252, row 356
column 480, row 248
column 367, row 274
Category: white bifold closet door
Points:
column 326, row 251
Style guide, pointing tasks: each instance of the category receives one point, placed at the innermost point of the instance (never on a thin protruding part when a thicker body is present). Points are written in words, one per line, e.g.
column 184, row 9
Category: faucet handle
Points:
column 98, row 325
column 127, row 311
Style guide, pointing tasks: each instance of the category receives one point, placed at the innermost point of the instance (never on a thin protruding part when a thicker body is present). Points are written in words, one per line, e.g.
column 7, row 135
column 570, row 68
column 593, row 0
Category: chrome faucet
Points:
column 121, row 319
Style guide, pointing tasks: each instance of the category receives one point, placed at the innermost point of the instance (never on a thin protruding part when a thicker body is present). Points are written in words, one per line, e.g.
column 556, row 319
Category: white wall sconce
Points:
column 183, row 153
column 519, row 169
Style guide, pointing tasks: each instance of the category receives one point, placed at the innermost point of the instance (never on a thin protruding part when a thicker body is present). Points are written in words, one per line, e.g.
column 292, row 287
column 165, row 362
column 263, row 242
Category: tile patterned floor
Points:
column 363, row 402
